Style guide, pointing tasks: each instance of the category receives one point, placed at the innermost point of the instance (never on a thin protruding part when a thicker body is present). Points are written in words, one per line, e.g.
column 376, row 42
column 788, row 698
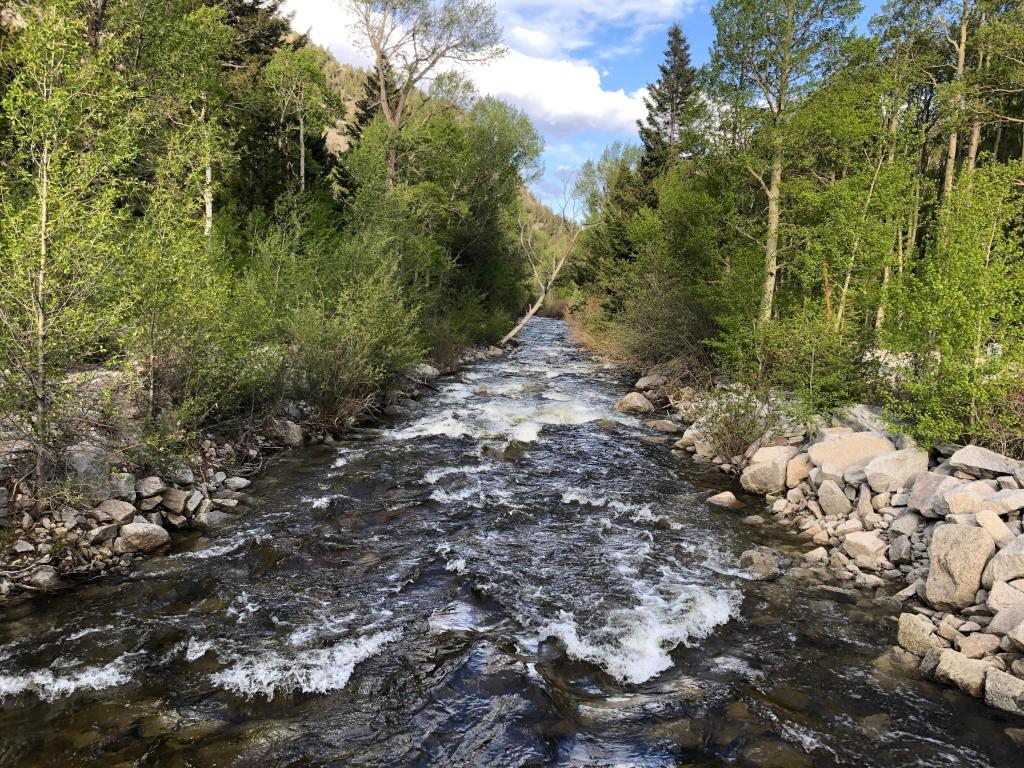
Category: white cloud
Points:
column 562, row 96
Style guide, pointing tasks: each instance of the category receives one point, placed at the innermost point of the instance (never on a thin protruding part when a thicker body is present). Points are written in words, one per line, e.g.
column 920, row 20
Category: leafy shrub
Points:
column 735, row 417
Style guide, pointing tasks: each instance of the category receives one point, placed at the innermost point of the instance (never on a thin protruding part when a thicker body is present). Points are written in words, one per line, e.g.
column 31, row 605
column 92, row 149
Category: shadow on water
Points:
column 508, row 577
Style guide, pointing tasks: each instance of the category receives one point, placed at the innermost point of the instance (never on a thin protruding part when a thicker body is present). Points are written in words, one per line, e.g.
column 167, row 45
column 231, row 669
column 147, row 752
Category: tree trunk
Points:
column 771, row 246
column 880, row 314
column 961, row 53
column 856, row 245
column 208, row 187
column 41, row 423
column 96, row 23
column 302, row 153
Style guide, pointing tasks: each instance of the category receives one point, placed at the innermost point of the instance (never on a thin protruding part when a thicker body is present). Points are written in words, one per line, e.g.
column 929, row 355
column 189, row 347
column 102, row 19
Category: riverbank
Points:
column 114, row 516
column 937, row 531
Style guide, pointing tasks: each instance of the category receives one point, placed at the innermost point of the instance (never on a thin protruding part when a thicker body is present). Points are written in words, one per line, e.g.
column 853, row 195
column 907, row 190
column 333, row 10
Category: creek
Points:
column 509, row 576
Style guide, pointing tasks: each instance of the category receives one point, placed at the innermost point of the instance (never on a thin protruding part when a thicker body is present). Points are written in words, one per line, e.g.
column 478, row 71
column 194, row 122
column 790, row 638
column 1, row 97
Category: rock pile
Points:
column 938, row 531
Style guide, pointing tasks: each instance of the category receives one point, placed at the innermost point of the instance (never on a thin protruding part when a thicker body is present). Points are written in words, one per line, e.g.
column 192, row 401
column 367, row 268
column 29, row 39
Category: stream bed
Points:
column 506, row 577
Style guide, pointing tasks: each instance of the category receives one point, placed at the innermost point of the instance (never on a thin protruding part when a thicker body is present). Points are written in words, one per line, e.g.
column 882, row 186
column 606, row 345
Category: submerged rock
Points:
column 762, row 563
column 726, row 499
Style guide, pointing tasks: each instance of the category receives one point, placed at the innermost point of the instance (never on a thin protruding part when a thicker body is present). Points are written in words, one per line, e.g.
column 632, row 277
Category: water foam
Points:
column 633, row 644
column 314, row 671
column 52, row 684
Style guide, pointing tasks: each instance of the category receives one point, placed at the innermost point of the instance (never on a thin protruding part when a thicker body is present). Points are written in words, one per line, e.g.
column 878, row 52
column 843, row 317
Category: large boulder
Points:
column 798, row 470
column 1007, row 565
column 635, row 403
column 981, row 462
column 150, row 486
column 767, row 473
column 1004, row 692
column 1016, row 636
column 891, row 471
column 651, row 381
column 966, row 674
column 972, row 498
column 958, row 555
column 116, row 511
column 144, row 537
column 916, row 633
column 928, row 496
column 853, row 450
column 1002, row 597
column 286, row 432
column 863, row 417
column 832, row 499
column 997, row 529
column 174, row 500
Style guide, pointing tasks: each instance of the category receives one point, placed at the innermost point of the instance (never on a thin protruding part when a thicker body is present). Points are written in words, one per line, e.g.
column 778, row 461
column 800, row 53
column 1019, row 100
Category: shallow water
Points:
column 507, row 578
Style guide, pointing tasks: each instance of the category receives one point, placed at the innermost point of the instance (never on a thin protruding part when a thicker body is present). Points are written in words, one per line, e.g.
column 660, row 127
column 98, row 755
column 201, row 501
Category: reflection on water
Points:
column 507, row 577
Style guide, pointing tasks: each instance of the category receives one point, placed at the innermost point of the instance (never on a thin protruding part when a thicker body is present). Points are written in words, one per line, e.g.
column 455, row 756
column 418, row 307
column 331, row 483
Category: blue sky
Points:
column 578, row 68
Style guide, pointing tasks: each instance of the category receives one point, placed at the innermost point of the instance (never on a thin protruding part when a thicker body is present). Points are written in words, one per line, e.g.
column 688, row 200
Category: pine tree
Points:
column 669, row 104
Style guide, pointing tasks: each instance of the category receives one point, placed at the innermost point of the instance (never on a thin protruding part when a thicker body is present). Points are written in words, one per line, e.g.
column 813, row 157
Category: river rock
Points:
column 981, row 462
column 966, row 674
column 1002, row 596
column 977, row 645
column 664, row 425
column 122, row 486
column 634, row 403
column 798, row 469
column 958, row 554
column 1016, row 636
column 767, row 471
column 101, row 533
column 287, row 432
column 892, row 471
column 906, row 524
column 916, row 633
column 1004, row 691
column 237, row 483
column 996, row 528
column 866, row 544
column 116, row 511
column 848, row 451
column 928, row 496
column 762, row 563
column 689, row 438
column 726, row 499
column 150, row 486
column 174, row 500
column 900, row 549
column 832, row 499
column 651, row 381
column 144, row 537
column 972, row 498
column 45, row 578
column 1007, row 565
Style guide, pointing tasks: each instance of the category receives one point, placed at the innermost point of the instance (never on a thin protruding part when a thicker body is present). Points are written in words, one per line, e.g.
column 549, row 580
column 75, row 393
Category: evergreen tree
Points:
column 670, row 104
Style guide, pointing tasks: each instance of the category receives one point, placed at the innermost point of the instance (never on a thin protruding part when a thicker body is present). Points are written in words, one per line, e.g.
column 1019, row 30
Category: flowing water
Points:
column 508, row 577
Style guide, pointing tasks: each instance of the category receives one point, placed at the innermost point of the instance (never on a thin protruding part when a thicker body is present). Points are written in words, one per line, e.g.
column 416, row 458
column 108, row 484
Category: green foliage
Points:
column 733, row 418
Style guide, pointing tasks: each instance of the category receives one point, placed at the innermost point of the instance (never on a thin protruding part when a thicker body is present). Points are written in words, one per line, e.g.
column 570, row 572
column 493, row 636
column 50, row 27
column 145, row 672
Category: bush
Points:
column 342, row 356
column 735, row 417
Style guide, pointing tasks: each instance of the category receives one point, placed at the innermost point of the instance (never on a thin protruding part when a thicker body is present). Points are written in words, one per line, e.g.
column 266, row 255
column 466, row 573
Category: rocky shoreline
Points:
column 938, row 531
column 121, row 518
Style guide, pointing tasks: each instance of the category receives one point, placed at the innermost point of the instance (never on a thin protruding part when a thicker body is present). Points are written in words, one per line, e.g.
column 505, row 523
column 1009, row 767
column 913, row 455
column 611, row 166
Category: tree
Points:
column 71, row 122
column 296, row 77
column 766, row 56
column 368, row 105
column 670, row 103
column 547, row 255
column 414, row 39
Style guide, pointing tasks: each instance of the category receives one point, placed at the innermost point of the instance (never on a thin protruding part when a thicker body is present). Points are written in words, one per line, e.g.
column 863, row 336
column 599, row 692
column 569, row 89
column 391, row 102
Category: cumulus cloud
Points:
column 562, row 96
